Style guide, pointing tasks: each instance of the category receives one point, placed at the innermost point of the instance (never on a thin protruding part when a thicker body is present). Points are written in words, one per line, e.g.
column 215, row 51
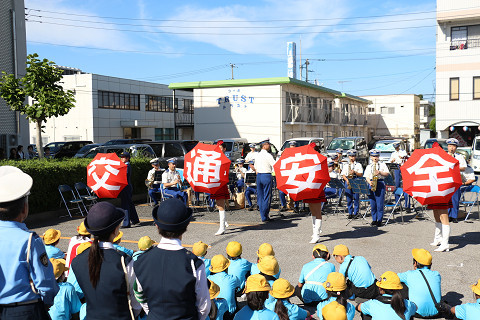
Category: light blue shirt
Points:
column 239, row 268
column 418, row 291
column 66, row 303
column 313, row 289
column 468, row 311
column 54, row 252
column 321, row 305
column 72, row 279
column 136, row 254
column 123, row 249
column 83, row 312
column 248, row 314
column 294, row 311
column 381, row 311
column 228, row 285
column 255, row 270
column 14, row 271
column 270, row 298
column 360, row 272
column 207, row 263
column 222, row 307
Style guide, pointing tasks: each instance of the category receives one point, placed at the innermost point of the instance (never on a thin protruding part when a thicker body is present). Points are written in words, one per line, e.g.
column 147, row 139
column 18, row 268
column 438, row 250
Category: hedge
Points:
column 49, row 174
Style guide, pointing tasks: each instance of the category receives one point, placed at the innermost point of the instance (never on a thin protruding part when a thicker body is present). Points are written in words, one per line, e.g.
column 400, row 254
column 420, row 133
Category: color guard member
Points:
column 264, row 167
column 221, row 197
column 374, row 174
column 351, row 170
column 282, row 195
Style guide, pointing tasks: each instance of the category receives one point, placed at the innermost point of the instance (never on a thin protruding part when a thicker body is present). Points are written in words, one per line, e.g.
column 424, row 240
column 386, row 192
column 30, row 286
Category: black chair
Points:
column 86, row 194
column 70, row 199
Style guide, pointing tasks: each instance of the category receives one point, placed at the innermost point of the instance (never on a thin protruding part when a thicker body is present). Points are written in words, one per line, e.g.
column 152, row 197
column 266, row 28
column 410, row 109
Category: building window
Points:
column 187, row 105
column 387, row 110
column 476, row 87
column 454, row 88
column 163, row 134
column 465, row 37
column 118, row 100
column 160, row 103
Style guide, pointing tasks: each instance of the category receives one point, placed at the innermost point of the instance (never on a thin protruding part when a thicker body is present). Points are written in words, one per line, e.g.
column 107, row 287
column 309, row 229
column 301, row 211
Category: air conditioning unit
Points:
column 13, row 140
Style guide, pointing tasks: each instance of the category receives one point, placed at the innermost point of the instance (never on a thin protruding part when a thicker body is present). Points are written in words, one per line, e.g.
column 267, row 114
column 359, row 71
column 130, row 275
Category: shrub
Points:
column 49, row 174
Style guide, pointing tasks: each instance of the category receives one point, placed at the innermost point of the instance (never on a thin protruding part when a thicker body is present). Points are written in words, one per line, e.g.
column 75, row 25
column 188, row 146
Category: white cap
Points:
column 14, row 183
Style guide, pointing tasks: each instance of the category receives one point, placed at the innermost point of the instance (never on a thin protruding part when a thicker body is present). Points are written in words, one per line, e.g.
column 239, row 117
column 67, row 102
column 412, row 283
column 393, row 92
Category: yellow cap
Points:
column 144, row 243
column 214, row 290
column 256, row 282
column 118, row 237
column 422, row 256
column 58, row 267
column 341, row 250
column 268, row 265
column 265, row 249
column 51, row 235
column 334, row 311
column 219, row 263
column 335, row 282
column 234, row 249
column 82, row 230
column 320, row 247
column 84, row 246
column 199, row 248
column 282, row 289
column 476, row 287
column 389, row 280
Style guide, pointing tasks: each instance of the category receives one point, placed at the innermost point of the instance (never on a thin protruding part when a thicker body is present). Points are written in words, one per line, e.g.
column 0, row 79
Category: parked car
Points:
column 442, row 142
column 304, row 141
column 386, row 148
column 167, row 149
column 135, row 150
column 475, row 154
column 347, row 143
column 54, row 147
column 85, row 149
column 234, row 147
column 126, row 141
column 69, row 149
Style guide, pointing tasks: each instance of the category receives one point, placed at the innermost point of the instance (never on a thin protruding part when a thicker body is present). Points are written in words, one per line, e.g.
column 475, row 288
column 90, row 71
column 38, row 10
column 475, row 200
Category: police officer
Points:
column 125, row 195
column 352, row 169
column 361, row 280
column 376, row 171
column 251, row 155
column 264, row 166
column 417, row 287
column 398, row 157
column 154, row 184
column 452, row 148
column 27, row 282
column 339, row 154
column 171, row 181
column 251, row 187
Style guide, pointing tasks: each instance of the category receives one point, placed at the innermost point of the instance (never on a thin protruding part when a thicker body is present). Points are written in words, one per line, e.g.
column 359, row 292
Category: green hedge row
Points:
column 49, row 174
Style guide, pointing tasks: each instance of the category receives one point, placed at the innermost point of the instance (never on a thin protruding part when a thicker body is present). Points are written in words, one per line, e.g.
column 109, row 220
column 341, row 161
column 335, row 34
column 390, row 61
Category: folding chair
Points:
column 400, row 194
column 337, row 184
column 157, row 177
column 85, row 193
column 470, row 197
column 360, row 186
column 70, row 199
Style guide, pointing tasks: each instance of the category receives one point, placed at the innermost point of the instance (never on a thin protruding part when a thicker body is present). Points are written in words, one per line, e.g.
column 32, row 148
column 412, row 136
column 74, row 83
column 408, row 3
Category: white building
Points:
column 396, row 115
column 425, row 119
column 458, row 69
column 111, row 108
column 276, row 108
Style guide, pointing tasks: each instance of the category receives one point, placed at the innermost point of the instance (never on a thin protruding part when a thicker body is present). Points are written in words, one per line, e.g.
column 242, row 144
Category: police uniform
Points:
column 322, row 304
column 313, row 275
column 453, row 211
column 264, row 166
column 240, row 177
column 22, row 258
column 251, row 187
column 377, row 198
column 126, row 196
column 333, row 175
column 397, row 157
column 251, row 155
column 353, row 199
column 155, row 186
column 168, row 177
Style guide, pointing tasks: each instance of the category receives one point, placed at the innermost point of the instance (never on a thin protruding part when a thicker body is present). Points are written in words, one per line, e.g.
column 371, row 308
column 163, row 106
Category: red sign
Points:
column 107, row 175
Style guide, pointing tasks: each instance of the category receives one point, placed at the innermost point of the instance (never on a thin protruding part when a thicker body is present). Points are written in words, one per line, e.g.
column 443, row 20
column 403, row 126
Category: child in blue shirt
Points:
column 66, row 302
column 118, row 247
column 200, row 250
column 469, row 311
column 256, row 289
column 281, row 291
column 51, row 237
column 228, row 284
column 218, row 305
column 238, row 267
column 144, row 243
column 336, row 287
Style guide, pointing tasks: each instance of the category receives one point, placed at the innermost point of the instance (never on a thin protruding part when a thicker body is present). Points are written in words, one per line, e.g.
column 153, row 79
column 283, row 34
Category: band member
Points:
column 264, row 167
column 452, row 148
column 399, row 157
column 154, row 185
column 239, row 171
column 337, row 164
column 251, row 187
column 171, row 181
column 351, row 170
column 374, row 174
column 333, row 175
column 339, row 154
column 251, row 155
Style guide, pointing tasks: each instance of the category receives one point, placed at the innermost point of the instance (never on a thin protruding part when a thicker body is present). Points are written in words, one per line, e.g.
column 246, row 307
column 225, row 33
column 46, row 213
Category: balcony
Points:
column 305, row 115
column 184, row 118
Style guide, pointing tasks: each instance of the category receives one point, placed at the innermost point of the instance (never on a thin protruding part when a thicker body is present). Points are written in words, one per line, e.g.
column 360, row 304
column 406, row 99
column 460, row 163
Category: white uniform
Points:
column 356, row 166
column 264, row 162
column 151, row 176
column 396, row 156
column 169, row 176
column 333, row 175
column 468, row 174
column 240, row 171
column 461, row 159
column 380, row 167
column 250, row 156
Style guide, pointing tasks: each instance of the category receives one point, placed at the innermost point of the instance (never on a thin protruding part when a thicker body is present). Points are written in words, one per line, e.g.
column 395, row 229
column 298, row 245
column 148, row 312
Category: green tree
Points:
column 42, row 84
column 433, row 125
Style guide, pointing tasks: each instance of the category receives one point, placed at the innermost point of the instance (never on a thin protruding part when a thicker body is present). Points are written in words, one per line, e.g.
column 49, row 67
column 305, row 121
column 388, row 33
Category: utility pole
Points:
column 306, row 70
column 232, row 66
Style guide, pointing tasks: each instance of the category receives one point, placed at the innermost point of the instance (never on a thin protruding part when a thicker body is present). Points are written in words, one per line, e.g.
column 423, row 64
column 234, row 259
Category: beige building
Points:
column 276, row 108
column 458, row 69
column 396, row 115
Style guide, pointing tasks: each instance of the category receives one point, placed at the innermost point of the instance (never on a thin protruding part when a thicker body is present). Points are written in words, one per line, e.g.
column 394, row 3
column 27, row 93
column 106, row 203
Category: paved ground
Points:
column 386, row 248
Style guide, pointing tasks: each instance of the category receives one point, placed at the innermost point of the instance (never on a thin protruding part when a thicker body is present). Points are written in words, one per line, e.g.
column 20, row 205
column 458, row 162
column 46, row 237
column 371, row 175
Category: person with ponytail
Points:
column 219, row 306
column 104, row 274
column 256, row 289
column 336, row 287
column 390, row 305
column 281, row 291
column 221, row 197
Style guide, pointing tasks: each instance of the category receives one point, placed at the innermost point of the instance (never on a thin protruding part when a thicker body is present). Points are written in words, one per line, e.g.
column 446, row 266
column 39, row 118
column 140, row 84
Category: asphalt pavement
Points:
column 386, row 248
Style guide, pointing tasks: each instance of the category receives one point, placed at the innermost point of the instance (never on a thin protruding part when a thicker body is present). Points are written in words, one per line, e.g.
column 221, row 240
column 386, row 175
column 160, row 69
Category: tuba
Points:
column 374, row 178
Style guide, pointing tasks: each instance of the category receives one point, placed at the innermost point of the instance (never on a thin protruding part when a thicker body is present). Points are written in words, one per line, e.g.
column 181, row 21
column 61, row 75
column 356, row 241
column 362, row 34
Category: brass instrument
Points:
column 148, row 183
column 374, row 178
column 350, row 175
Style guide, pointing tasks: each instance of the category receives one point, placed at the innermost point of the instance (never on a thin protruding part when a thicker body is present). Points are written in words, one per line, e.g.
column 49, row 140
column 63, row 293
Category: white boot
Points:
column 444, row 246
column 317, row 226
column 438, row 234
column 221, row 229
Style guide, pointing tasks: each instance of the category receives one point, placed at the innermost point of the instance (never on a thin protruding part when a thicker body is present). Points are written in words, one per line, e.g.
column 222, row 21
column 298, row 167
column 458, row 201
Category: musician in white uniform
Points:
column 154, row 185
column 399, row 157
column 375, row 172
column 171, row 181
column 452, row 148
column 251, row 155
column 352, row 169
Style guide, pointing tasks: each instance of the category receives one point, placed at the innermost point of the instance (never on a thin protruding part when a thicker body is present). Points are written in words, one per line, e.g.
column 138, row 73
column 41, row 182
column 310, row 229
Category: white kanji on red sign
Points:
column 205, row 170
column 433, row 181
column 105, row 166
column 295, row 170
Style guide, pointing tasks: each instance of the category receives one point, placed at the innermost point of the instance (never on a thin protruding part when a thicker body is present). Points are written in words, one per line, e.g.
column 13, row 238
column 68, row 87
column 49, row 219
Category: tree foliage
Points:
column 42, row 84
column 433, row 125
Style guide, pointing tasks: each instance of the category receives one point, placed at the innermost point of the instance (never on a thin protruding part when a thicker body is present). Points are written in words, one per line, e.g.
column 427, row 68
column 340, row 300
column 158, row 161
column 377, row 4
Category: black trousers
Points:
column 34, row 311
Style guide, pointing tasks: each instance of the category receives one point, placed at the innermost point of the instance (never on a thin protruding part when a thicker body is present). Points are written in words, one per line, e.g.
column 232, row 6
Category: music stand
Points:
column 337, row 184
column 250, row 177
column 360, row 186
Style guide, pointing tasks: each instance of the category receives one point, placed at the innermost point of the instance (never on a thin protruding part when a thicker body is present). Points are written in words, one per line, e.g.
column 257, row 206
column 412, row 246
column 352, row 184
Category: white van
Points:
column 475, row 158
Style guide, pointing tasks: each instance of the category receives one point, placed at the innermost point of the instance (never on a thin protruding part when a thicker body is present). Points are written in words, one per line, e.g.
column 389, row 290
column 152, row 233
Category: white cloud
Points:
column 67, row 35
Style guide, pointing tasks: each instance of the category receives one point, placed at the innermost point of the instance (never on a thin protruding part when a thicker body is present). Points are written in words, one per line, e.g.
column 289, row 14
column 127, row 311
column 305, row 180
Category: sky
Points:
column 366, row 47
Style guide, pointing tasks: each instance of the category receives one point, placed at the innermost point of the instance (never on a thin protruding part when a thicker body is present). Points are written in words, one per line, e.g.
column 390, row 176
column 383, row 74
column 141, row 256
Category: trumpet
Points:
column 374, row 178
